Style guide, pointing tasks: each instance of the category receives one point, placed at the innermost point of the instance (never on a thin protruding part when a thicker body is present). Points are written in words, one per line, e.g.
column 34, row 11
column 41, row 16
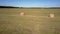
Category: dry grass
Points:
column 35, row 21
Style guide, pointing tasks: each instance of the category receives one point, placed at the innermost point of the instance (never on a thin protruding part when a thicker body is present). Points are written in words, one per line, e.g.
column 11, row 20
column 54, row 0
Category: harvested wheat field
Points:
column 33, row 21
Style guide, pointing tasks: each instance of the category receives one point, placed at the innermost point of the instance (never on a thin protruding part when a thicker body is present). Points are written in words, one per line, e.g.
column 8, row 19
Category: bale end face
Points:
column 22, row 14
column 52, row 15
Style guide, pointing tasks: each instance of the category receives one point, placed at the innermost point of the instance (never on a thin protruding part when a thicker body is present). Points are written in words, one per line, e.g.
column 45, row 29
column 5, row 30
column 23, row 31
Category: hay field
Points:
column 35, row 21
